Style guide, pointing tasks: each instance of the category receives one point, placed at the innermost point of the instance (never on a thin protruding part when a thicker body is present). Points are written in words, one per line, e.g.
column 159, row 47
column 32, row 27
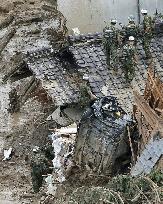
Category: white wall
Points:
column 89, row 15
column 151, row 5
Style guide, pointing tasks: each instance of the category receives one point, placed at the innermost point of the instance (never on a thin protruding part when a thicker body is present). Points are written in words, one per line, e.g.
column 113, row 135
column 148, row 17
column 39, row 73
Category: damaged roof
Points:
column 88, row 57
column 57, row 82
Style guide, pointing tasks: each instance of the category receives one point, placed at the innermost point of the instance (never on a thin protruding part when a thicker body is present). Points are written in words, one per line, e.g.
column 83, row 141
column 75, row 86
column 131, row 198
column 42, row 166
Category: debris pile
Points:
column 63, row 144
column 148, row 114
column 102, row 140
column 51, row 81
column 119, row 190
column 7, row 154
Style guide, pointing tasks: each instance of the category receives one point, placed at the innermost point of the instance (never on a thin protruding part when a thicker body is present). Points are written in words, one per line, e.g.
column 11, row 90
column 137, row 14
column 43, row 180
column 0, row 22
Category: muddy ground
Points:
column 26, row 129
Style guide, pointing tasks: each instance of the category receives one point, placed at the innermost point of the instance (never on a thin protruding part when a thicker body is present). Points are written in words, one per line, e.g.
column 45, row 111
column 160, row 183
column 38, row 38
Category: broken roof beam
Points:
column 155, row 84
column 151, row 117
column 16, row 63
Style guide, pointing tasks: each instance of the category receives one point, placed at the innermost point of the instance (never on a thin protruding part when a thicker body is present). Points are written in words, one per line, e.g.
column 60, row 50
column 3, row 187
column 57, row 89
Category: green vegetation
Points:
column 122, row 189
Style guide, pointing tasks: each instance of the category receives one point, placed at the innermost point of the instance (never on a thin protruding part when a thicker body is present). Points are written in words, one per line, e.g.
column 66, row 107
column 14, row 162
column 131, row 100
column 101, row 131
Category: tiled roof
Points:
column 159, row 25
column 88, row 57
column 91, row 59
column 58, row 83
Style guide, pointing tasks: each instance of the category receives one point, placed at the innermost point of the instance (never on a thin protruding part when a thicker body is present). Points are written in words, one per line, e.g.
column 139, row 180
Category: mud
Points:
column 27, row 128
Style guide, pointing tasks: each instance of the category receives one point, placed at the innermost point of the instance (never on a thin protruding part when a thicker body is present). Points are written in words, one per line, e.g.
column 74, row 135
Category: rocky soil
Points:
column 24, row 26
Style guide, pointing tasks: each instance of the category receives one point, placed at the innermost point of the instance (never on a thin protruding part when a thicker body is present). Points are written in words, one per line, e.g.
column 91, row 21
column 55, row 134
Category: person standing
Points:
column 128, row 59
column 131, row 29
column 147, row 32
column 110, row 42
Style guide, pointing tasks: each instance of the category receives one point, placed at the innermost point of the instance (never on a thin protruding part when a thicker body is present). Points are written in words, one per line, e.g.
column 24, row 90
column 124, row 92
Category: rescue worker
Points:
column 131, row 29
column 86, row 95
column 107, row 43
column 128, row 59
column 110, row 42
column 147, row 32
column 113, row 23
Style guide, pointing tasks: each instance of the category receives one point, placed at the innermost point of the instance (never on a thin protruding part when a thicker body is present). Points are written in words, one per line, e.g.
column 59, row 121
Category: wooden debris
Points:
column 148, row 112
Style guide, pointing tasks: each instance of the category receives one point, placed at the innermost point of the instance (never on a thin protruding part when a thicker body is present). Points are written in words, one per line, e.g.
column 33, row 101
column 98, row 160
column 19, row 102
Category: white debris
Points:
column 57, row 144
column 61, row 178
column 57, row 161
column 63, row 149
column 7, row 154
column 104, row 90
column 123, row 121
column 66, row 131
column 36, row 149
column 51, row 188
column 76, row 31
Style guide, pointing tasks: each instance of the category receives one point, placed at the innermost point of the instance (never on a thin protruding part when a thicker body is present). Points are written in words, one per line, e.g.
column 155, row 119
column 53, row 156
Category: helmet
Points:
column 131, row 38
column 143, row 11
column 108, row 33
column 113, row 21
column 131, row 18
column 85, row 77
column 36, row 149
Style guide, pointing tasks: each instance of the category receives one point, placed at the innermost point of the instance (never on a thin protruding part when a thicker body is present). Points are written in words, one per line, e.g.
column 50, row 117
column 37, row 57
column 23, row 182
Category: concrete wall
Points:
column 91, row 15
column 151, row 5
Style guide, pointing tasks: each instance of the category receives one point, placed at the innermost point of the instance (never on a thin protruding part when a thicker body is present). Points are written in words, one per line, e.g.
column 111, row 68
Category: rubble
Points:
column 63, row 144
column 42, row 75
column 7, row 154
column 25, row 27
column 148, row 115
column 101, row 138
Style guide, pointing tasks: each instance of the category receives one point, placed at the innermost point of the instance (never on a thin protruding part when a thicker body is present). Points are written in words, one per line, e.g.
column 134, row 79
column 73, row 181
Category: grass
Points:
column 122, row 189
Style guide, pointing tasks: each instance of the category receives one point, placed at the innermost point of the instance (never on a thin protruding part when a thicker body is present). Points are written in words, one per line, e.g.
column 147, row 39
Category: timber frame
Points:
column 148, row 113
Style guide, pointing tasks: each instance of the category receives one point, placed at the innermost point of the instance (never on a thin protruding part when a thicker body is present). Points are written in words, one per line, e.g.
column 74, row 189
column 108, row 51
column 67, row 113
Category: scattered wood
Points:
column 149, row 112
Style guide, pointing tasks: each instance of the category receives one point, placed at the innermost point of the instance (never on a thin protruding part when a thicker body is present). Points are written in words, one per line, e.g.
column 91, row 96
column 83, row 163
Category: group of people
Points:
column 119, row 44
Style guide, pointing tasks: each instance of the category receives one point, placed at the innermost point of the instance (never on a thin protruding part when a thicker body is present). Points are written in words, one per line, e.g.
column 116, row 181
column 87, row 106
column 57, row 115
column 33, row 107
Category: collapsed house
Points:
column 85, row 56
column 59, row 74
column 45, row 69
column 101, row 143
